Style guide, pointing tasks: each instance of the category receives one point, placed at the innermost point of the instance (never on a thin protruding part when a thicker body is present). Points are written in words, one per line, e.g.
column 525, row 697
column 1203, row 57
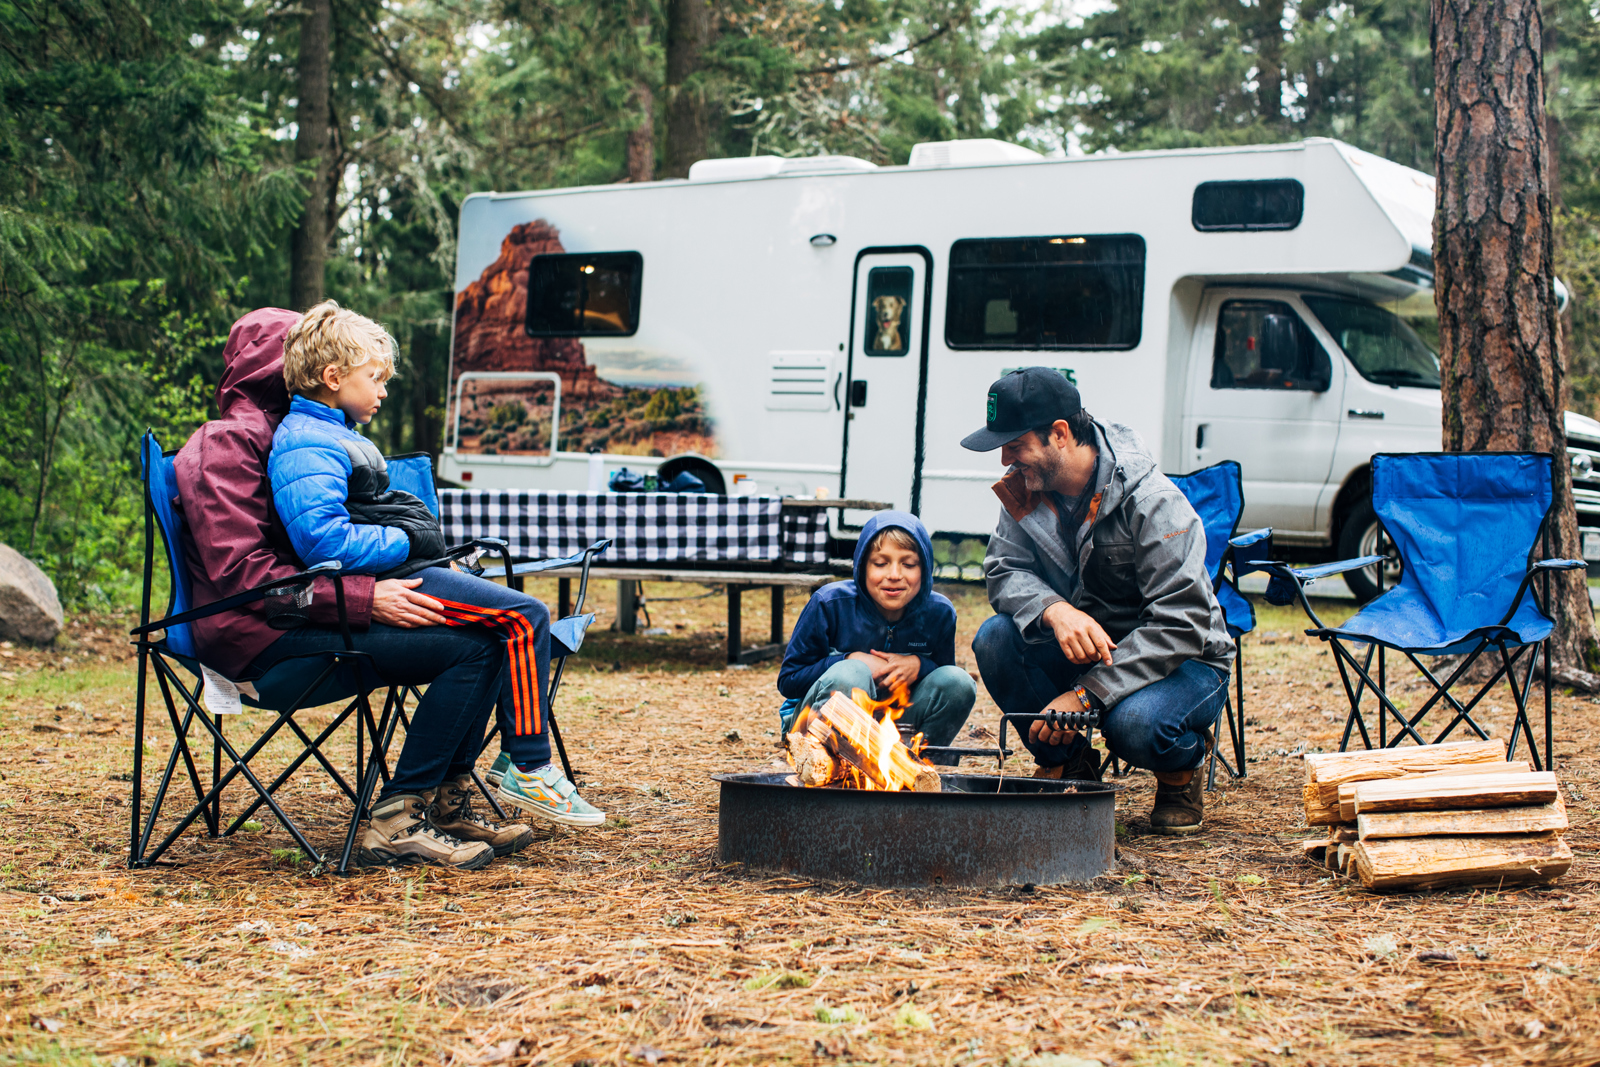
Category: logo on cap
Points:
column 993, row 406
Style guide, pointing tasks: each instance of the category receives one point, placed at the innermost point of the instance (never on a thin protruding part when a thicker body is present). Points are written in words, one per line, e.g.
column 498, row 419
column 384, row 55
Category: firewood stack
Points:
column 1431, row 816
column 840, row 743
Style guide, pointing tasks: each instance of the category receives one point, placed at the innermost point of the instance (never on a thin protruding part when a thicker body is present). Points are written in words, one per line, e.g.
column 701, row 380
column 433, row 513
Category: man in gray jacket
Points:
column 1097, row 574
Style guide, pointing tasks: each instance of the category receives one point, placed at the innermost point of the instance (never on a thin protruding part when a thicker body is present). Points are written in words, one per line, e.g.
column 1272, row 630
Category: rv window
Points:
column 1262, row 344
column 1383, row 348
column 1046, row 292
column 888, row 311
column 1268, row 205
column 574, row 295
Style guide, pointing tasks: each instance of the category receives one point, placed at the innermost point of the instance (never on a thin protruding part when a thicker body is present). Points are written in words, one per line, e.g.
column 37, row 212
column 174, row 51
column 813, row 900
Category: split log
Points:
column 1323, row 799
column 1411, row 759
column 1545, row 818
column 1347, row 790
column 851, row 733
column 1434, row 862
column 1315, row 850
column 813, row 764
column 1343, row 834
column 1447, row 792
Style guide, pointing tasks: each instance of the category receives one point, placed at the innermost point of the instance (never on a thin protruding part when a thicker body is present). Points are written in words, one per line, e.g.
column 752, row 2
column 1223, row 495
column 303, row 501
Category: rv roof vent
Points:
column 738, row 167
column 970, row 152
column 825, row 165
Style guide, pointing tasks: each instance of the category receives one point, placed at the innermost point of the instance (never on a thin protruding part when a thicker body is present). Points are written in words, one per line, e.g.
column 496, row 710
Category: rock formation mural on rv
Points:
column 513, row 417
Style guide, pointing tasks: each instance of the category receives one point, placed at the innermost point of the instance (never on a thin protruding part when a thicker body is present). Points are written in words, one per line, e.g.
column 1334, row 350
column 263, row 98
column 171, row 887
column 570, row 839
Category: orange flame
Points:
column 855, row 744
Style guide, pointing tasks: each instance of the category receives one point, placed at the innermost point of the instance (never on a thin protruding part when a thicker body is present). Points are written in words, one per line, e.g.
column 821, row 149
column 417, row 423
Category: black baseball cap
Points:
column 1024, row 400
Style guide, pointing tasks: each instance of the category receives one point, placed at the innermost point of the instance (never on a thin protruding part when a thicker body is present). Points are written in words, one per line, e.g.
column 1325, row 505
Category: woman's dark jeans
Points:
column 1160, row 727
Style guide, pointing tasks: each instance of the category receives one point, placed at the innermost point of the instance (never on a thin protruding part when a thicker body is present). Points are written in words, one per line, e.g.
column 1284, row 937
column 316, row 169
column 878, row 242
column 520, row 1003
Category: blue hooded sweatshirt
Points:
column 841, row 618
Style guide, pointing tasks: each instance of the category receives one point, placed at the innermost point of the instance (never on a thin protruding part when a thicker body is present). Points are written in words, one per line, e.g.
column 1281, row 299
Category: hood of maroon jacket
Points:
column 234, row 540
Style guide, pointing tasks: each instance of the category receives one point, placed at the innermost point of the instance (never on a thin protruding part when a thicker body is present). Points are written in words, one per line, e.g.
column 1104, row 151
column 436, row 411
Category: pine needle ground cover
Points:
column 630, row 944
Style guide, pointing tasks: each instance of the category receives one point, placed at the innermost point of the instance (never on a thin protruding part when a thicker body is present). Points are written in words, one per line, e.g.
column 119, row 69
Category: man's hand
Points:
column 875, row 663
column 1042, row 733
column 1082, row 640
column 396, row 602
column 903, row 670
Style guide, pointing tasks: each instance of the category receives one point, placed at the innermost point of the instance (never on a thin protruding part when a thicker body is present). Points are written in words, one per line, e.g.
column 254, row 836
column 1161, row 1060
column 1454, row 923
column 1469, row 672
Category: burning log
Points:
column 855, row 743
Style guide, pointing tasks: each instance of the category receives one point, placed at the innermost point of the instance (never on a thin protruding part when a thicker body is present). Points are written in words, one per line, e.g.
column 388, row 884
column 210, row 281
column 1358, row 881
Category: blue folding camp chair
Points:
column 167, row 643
column 1217, row 495
column 1466, row 526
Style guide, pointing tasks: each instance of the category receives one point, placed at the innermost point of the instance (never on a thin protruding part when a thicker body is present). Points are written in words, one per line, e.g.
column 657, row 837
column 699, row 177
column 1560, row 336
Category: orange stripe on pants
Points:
column 519, row 633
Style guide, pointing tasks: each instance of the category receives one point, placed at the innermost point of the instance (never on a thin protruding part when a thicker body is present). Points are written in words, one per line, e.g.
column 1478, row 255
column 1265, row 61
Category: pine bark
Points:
column 642, row 138
column 1505, row 379
column 688, row 111
column 309, row 247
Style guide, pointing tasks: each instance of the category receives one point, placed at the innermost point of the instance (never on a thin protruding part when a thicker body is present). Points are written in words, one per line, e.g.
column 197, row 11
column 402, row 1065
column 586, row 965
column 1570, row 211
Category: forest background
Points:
column 166, row 165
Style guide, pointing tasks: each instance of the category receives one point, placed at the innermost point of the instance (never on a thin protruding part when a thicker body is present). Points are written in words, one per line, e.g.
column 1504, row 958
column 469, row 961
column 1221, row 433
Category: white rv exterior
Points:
column 754, row 288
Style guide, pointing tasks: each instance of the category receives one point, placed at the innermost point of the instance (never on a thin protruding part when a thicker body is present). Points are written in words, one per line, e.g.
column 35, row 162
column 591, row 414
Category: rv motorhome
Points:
column 825, row 326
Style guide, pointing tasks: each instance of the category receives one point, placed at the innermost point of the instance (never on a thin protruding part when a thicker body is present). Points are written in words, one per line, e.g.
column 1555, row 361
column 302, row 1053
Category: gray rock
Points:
column 29, row 607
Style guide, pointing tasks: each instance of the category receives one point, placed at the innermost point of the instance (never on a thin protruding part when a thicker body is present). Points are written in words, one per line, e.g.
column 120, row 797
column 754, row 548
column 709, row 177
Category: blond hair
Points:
column 896, row 537
column 329, row 335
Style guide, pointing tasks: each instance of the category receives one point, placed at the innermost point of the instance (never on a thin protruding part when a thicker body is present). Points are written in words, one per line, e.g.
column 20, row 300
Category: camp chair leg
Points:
column 181, row 733
column 241, row 765
column 216, row 775
column 483, row 787
column 155, row 806
column 1549, row 728
column 1238, row 736
column 1463, row 712
column 369, row 778
column 313, row 748
column 1342, row 656
column 136, row 798
column 1355, row 718
column 1521, row 723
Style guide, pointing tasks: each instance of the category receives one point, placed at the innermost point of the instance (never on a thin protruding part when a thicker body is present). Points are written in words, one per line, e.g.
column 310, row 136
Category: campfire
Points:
column 854, row 744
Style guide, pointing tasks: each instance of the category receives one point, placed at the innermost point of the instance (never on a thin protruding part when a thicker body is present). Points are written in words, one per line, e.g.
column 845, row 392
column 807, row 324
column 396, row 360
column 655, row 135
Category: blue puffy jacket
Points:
column 841, row 618
column 314, row 453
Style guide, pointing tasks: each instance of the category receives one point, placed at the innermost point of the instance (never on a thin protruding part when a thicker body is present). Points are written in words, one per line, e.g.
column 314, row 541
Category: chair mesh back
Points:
column 161, row 485
column 1217, row 496
column 1464, row 524
column 414, row 474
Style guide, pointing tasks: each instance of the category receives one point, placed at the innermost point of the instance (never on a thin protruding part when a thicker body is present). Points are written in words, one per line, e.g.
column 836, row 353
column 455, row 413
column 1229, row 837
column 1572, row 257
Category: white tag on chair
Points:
column 222, row 696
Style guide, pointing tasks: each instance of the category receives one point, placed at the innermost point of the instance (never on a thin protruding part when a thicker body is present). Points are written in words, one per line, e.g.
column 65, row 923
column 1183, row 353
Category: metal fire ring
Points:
column 1030, row 832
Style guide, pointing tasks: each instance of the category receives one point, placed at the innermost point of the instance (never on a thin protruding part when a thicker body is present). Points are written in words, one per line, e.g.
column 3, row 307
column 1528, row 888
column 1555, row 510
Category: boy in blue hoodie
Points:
column 330, row 487
column 886, row 626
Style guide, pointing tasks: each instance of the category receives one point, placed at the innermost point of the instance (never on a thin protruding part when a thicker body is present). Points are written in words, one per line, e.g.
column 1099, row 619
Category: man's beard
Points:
column 1039, row 476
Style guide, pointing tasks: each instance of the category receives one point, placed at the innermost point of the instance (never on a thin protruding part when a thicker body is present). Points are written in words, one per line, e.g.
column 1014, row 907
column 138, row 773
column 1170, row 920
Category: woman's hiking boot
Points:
column 400, row 833
column 452, row 813
column 1179, row 808
column 546, row 794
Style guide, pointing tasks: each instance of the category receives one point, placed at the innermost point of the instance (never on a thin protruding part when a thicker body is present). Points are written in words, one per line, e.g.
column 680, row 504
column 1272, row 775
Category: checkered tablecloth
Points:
column 643, row 527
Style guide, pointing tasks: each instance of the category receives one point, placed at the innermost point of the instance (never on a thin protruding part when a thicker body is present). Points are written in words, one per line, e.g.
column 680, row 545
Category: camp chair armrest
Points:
column 1245, row 540
column 1328, row 570
column 1301, row 577
column 1527, row 580
column 582, row 556
column 326, row 569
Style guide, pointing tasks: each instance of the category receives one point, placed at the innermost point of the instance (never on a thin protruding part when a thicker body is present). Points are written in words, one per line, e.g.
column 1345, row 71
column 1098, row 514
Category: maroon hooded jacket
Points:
column 235, row 541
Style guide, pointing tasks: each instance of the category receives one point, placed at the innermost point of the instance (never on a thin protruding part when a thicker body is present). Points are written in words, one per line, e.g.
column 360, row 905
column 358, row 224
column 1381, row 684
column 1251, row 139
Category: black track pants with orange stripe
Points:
column 525, row 624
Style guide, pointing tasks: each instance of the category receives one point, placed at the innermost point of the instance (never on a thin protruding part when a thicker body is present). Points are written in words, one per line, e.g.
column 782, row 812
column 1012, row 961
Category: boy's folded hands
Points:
column 890, row 669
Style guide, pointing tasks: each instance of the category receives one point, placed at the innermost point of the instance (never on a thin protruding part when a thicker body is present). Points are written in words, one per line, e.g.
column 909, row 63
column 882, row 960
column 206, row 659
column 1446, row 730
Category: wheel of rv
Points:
column 699, row 466
column 1359, row 537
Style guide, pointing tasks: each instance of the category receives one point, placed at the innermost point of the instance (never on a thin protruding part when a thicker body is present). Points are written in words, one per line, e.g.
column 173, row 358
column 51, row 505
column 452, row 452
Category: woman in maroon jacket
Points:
column 235, row 542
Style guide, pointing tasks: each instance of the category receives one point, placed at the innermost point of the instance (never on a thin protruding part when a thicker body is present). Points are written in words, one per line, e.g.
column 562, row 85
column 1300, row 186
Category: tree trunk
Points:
column 1269, row 63
column 1505, row 382
column 309, row 249
column 642, row 138
column 688, row 122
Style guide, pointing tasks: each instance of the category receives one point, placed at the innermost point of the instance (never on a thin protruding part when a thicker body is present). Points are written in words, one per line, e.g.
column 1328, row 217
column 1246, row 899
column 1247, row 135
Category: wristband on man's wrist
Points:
column 1083, row 698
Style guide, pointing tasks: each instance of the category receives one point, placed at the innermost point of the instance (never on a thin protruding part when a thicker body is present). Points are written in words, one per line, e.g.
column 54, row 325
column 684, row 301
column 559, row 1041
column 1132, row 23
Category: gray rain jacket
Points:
column 1142, row 570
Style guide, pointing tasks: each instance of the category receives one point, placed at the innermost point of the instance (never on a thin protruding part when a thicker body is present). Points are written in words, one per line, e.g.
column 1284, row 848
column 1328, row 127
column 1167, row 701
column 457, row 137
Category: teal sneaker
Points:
column 546, row 794
column 497, row 769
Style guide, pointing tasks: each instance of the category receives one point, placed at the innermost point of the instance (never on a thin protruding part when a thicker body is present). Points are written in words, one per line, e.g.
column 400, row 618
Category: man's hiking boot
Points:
column 1084, row 767
column 452, row 813
column 1179, row 808
column 546, row 794
column 497, row 769
column 400, row 833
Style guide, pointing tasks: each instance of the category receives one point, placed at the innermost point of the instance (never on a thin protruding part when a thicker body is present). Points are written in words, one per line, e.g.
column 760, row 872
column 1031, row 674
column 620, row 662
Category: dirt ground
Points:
column 631, row 944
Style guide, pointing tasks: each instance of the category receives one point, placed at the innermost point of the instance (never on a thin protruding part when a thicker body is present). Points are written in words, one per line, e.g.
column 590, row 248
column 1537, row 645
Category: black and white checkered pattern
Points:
column 805, row 535
column 643, row 527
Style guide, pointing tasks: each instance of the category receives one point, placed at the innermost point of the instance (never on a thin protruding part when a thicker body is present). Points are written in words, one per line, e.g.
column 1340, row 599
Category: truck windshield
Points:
column 1382, row 347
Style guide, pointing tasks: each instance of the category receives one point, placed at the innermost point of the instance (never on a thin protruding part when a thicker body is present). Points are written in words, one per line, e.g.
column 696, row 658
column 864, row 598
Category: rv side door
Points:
column 1264, row 391
column 888, row 352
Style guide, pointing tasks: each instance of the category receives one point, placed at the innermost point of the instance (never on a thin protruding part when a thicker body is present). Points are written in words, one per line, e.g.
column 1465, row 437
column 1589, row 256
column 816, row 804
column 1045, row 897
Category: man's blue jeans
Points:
column 464, row 668
column 1160, row 727
column 941, row 700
